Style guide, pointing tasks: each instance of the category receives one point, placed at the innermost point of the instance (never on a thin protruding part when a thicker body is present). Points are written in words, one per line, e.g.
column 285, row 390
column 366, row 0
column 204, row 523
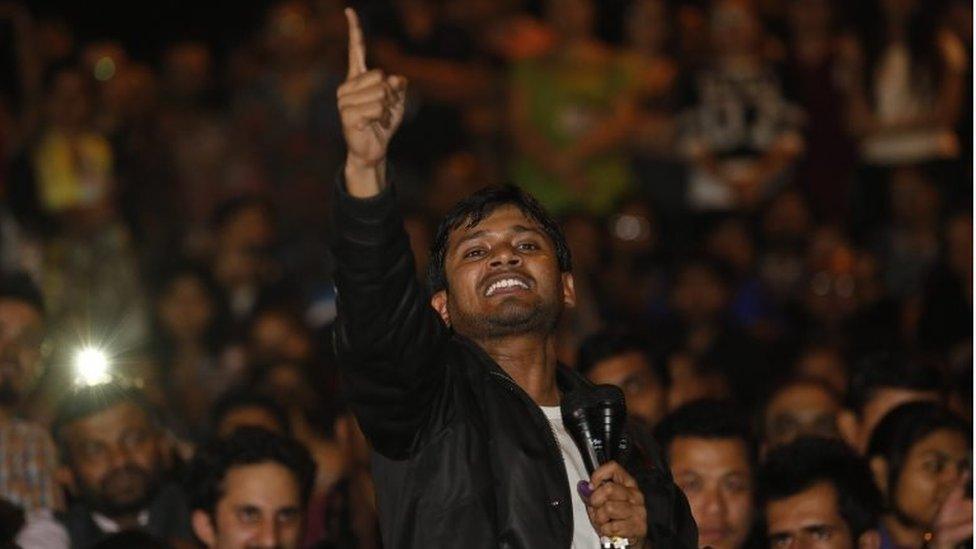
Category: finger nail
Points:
column 584, row 489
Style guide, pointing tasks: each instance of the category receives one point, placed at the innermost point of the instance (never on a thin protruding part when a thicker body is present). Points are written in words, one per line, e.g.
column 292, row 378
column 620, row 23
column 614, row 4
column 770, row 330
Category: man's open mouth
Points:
column 507, row 283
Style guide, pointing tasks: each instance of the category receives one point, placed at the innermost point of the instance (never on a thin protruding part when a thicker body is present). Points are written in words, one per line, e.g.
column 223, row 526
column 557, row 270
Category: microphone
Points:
column 595, row 423
column 576, row 418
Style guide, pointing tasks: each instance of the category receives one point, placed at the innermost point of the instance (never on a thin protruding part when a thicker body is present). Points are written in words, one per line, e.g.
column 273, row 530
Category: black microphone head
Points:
column 609, row 415
column 576, row 419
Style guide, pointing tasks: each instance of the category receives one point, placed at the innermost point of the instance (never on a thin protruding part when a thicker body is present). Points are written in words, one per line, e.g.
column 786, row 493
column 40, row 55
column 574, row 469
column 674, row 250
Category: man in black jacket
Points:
column 459, row 391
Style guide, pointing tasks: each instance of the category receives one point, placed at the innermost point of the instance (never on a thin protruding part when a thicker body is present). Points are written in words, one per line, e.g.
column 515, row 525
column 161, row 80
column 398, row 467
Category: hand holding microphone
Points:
column 613, row 500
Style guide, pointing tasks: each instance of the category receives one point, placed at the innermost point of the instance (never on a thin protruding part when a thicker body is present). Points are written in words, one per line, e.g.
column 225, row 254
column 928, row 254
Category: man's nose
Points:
column 714, row 502
column 269, row 535
column 505, row 256
column 119, row 456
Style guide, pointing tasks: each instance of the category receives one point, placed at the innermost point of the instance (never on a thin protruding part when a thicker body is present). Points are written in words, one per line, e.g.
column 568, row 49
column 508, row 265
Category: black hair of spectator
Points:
column 89, row 400
column 208, row 470
column 901, row 428
column 788, row 383
column 235, row 399
column 611, row 343
column 795, row 467
column 131, row 539
column 12, row 520
column 17, row 286
column 475, row 208
column 707, row 419
column 889, row 369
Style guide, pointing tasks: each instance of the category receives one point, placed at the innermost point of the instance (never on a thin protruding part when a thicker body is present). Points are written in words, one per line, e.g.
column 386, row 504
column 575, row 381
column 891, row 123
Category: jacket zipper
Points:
column 551, row 438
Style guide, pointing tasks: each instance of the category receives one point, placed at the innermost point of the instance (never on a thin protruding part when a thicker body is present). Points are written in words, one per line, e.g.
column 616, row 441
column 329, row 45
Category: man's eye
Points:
column 821, row 533
column 528, row 246
column 288, row 515
column 92, row 450
column 780, row 541
column 477, row 252
column 933, row 465
column 690, row 484
column 248, row 515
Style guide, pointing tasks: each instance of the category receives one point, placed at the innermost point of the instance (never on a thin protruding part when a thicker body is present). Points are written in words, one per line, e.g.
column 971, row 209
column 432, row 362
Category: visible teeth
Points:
column 506, row 283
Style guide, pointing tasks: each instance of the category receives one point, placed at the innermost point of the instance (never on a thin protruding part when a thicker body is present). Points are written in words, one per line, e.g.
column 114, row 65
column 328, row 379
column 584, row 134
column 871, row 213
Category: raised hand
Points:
column 371, row 107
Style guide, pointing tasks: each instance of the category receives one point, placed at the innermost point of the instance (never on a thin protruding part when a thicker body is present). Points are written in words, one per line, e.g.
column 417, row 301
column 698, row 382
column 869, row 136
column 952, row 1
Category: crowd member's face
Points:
column 882, row 401
column 277, row 336
column 248, row 416
column 801, row 409
column 688, row 384
column 115, row 457
column 647, row 399
column 503, row 278
column 69, row 100
column 21, row 336
column 186, row 309
column 809, row 519
column 716, row 477
column 699, row 295
column 932, row 468
column 261, row 508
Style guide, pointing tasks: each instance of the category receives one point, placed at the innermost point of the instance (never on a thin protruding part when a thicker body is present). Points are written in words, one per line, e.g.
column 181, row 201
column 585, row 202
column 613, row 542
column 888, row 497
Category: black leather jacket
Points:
column 462, row 456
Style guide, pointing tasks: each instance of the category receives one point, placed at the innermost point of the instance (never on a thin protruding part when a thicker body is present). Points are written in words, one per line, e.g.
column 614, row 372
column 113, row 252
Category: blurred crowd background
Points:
column 754, row 190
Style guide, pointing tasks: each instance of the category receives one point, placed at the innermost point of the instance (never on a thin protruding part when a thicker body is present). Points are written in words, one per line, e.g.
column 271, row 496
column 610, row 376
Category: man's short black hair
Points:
column 610, row 343
column 889, row 370
column 18, row 286
column 707, row 419
column 247, row 446
column 86, row 401
column 798, row 466
column 905, row 425
column 235, row 399
column 475, row 208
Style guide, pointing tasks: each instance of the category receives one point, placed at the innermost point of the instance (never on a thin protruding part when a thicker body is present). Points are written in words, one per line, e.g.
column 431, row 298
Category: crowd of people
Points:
column 768, row 205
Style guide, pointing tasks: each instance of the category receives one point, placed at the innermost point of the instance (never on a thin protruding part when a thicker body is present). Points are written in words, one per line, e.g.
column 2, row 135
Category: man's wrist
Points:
column 364, row 180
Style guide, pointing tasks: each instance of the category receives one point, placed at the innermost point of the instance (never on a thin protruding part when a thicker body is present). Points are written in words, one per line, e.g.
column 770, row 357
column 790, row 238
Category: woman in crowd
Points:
column 920, row 457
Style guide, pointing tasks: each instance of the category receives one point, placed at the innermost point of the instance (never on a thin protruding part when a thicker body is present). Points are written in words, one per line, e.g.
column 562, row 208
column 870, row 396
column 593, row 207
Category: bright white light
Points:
column 91, row 367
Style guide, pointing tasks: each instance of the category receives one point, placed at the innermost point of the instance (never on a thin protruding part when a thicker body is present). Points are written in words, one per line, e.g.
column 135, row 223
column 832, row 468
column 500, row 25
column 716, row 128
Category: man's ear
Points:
column 203, row 527
column 66, row 478
column 869, row 540
column 569, row 290
column 879, row 469
column 847, row 426
column 439, row 302
column 342, row 431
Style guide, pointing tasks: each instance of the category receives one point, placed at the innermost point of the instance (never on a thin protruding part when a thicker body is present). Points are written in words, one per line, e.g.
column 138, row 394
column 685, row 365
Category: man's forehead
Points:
column 123, row 414
column 816, row 504
column 507, row 216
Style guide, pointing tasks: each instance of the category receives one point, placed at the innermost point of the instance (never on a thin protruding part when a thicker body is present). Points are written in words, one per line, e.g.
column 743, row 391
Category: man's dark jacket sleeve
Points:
column 388, row 338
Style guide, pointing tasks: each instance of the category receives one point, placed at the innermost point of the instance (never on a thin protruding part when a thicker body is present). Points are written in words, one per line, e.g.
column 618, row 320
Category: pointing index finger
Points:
column 357, row 49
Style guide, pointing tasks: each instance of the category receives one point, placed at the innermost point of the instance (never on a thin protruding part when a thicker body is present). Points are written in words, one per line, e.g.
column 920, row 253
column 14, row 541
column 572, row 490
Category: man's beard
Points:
column 508, row 319
column 105, row 497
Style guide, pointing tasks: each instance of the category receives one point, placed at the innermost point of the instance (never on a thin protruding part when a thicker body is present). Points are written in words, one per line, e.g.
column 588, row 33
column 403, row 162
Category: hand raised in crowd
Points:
column 616, row 505
column 371, row 106
column 954, row 522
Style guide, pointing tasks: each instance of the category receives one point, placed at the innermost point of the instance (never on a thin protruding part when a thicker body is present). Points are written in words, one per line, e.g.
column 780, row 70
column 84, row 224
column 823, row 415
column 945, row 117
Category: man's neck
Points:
column 531, row 361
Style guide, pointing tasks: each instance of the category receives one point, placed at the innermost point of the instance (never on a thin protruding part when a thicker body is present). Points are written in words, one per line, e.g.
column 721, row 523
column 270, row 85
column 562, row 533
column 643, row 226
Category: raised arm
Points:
column 387, row 335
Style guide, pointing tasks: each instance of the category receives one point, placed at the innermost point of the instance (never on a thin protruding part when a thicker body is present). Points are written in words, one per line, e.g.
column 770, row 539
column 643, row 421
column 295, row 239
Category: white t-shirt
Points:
column 584, row 536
